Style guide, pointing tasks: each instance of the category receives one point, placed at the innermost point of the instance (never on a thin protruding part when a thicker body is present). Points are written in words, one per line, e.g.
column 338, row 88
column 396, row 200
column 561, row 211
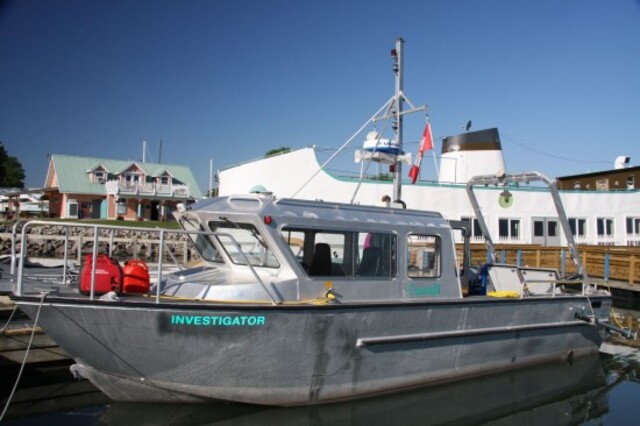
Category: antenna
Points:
column 160, row 152
column 144, row 150
column 398, row 62
column 210, row 177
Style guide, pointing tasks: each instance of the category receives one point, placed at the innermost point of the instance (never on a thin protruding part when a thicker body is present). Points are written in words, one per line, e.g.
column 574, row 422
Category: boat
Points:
column 300, row 302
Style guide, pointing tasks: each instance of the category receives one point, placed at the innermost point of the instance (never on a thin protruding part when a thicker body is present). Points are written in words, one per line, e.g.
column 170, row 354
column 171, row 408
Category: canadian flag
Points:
column 425, row 144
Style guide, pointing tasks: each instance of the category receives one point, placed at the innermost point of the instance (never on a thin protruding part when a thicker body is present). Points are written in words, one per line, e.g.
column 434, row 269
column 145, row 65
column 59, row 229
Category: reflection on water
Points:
column 593, row 390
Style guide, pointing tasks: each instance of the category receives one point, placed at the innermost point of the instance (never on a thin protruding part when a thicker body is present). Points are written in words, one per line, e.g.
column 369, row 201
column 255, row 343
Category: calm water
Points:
column 601, row 390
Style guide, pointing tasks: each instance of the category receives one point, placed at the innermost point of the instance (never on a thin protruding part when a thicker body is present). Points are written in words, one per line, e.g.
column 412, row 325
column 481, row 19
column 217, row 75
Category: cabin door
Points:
column 546, row 231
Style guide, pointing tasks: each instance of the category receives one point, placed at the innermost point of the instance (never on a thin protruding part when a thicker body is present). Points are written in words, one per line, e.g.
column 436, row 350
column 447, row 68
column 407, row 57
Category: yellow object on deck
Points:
column 504, row 293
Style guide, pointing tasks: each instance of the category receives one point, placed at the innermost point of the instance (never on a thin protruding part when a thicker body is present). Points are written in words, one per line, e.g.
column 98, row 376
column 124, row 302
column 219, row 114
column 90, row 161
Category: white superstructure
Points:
column 597, row 217
column 515, row 214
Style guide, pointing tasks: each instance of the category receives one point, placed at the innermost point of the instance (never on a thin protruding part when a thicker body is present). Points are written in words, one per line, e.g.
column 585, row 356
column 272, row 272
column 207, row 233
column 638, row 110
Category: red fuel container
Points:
column 108, row 275
column 136, row 277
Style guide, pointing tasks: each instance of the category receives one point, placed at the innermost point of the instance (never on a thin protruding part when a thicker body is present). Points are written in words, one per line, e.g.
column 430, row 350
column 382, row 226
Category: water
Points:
column 598, row 390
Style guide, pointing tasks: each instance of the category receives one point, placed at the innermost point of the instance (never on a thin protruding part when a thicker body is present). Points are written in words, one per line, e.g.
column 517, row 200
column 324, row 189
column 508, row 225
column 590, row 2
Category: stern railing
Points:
column 274, row 297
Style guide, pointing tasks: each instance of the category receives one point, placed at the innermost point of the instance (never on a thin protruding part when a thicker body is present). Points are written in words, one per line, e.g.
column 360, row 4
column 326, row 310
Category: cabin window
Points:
column 630, row 182
column 424, row 256
column 202, row 242
column 324, row 253
column 242, row 241
column 578, row 227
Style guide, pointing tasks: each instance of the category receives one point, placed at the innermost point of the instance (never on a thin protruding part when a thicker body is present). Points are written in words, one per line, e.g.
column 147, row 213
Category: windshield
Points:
column 202, row 242
column 250, row 241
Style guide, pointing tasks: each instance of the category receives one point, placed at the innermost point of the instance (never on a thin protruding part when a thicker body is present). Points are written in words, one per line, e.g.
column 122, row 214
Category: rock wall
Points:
column 49, row 242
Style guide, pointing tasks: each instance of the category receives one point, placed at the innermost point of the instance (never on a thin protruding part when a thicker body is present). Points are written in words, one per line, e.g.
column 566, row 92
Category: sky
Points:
column 228, row 80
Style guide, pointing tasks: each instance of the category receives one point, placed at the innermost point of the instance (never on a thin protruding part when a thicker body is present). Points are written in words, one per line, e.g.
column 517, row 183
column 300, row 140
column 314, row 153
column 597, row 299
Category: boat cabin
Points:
column 305, row 250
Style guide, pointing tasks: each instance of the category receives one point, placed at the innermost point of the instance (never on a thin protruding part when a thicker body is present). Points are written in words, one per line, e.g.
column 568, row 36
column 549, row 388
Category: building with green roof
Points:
column 88, row 187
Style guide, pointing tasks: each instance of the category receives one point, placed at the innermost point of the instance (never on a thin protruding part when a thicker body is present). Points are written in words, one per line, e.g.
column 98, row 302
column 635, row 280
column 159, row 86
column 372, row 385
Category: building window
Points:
column 602, row 184
column 100, row 177
column 509, row 229
column 538, row 228
column 121, row 206
column 474, row 229
column 605, row 227
column 578, row 227
column 164, row 180
column 424, row 256
column 132, row 178
column 633, row 226
column 630, row 182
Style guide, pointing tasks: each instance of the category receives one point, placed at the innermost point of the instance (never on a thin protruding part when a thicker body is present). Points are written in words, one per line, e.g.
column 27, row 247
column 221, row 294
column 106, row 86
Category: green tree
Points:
column 11, row 171
column 275, row 151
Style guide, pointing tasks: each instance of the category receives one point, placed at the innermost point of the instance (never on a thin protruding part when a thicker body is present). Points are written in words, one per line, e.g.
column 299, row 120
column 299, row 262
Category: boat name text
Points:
column 432, row 290
column 220, row 321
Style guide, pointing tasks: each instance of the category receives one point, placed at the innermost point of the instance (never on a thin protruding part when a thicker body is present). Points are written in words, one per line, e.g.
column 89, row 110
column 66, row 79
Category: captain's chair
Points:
column 321, row 262
column 371, row 260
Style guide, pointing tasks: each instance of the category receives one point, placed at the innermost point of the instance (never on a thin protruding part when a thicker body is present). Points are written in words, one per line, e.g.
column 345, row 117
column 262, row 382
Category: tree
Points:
column 276, row 151
column 11, row 171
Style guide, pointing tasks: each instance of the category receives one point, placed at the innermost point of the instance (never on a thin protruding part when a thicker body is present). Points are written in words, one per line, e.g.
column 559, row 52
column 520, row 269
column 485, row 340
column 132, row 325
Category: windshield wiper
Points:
column 251, row 229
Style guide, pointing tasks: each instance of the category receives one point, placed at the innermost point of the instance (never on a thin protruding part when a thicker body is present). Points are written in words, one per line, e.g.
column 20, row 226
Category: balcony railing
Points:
column 116, row 187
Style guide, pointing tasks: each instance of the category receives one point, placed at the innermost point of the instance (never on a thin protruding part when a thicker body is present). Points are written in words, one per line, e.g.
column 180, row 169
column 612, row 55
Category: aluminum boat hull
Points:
column 308, row 354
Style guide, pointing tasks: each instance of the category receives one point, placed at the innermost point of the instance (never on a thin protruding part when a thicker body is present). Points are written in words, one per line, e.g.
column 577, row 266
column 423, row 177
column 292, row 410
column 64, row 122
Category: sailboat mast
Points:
column 398, row 67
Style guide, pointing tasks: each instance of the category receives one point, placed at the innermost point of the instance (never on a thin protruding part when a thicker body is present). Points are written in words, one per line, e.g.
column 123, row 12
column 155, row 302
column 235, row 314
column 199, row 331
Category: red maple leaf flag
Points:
column 425, row 144
column 427, row 140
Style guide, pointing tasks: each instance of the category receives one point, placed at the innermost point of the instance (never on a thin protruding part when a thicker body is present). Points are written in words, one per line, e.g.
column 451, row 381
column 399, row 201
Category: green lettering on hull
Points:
column 218, row 321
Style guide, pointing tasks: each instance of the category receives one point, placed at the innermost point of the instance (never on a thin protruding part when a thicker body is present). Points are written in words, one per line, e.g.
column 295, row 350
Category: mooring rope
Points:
column 26, row 355
column 6, row 325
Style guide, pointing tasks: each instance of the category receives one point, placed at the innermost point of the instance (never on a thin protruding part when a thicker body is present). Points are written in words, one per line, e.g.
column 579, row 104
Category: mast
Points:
column 398, row 66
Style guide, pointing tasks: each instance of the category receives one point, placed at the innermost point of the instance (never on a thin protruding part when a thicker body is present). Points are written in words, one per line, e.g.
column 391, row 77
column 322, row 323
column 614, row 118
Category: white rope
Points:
column 26, row 355
column 344, row 145
column 4, row 328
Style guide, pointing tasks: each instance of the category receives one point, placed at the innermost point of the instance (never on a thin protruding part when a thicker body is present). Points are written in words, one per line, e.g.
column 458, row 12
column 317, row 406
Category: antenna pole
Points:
column 398, row 56
column 210, row 178
column 144, row 150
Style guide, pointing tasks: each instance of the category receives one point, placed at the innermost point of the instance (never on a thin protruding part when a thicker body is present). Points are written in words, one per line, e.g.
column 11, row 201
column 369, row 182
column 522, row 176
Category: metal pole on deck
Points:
column 398, row 66
column 66, row 253
column 93, row 262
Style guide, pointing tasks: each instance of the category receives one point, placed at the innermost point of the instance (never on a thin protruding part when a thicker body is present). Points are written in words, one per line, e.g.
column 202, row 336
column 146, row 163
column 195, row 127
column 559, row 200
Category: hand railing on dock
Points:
column 607, row 263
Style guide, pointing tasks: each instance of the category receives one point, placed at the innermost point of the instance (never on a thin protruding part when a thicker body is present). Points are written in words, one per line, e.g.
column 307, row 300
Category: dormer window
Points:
column 165, row 180
column 132, row 178
column 99, row 176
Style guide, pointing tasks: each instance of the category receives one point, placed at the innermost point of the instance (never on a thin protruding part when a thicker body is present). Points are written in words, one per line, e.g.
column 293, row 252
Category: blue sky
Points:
column 230, row 79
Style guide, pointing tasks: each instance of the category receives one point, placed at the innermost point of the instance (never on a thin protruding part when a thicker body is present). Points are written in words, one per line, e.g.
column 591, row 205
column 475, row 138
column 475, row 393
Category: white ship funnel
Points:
column 622, row 162
column 471, row 154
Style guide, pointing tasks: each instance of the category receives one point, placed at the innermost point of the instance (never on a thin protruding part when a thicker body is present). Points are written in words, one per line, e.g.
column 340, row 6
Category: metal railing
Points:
column 110, row 229
column 115, row 187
